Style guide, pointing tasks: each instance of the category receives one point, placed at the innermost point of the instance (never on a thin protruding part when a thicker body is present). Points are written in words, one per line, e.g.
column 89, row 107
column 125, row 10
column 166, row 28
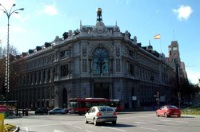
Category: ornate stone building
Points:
column 94, row 61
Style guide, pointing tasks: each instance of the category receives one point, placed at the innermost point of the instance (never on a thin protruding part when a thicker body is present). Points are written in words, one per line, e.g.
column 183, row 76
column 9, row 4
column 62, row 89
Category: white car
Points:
column 97, row 114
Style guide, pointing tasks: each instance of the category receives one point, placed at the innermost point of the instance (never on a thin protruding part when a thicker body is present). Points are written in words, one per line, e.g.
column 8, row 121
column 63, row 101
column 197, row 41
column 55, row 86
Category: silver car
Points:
column 97, row 114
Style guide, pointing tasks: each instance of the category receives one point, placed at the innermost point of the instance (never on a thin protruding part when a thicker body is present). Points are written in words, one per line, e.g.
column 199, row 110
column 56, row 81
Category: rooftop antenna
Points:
column 80, row 24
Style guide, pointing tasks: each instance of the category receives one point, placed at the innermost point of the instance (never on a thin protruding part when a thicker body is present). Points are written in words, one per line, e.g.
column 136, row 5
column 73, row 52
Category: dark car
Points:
column 168, row 110
column 41, row 111
column 57, row 111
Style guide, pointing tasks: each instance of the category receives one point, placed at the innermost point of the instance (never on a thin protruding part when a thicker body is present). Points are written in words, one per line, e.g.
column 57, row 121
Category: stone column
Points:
column 46, row 76
column 56, row 98
column 51, row 75
column 36, row 78
column 42, row 78
column 58, row 72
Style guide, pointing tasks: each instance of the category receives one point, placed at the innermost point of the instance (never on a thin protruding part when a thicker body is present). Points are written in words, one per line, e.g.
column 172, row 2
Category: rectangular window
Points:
column 131, row 69
column 64, row 70
column 65, row 54
column 62, row 54
column 118, row 65
column 130, row 53
column 84, row 65
column 84, row 52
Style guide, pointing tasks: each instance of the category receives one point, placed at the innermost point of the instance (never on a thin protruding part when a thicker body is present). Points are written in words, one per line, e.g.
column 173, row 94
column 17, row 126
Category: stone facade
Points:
column 93, row 61
column 174, row 59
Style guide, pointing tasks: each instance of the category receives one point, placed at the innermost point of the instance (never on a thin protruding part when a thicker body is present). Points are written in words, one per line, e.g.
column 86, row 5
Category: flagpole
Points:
column 158, row 37
column 160, row 45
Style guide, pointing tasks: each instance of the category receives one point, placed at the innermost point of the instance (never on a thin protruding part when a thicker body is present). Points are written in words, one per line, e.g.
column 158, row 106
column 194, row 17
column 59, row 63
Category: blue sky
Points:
column 43, row 20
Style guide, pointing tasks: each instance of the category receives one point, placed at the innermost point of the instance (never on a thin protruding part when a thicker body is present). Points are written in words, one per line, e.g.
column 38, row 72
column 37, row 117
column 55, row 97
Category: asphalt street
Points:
column 127, row 122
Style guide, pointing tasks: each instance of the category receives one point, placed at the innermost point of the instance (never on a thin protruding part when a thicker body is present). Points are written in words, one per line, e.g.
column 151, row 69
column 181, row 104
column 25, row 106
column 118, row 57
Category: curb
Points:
column 17, row 129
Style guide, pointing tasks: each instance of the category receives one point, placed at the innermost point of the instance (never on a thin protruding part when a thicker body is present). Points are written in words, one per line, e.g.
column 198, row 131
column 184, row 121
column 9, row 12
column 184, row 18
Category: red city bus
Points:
column 81, row 105
column 116, row 104
column 3, row 108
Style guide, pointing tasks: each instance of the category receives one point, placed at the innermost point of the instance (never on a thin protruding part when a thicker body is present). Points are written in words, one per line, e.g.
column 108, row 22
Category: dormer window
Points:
column 64, row 54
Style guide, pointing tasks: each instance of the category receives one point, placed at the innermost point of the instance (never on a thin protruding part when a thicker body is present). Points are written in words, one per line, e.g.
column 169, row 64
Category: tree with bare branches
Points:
column 15, row 70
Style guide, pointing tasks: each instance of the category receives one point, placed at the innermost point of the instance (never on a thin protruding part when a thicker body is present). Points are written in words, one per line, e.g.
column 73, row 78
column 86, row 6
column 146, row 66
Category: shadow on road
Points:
column 118, row 125
column 188, row 117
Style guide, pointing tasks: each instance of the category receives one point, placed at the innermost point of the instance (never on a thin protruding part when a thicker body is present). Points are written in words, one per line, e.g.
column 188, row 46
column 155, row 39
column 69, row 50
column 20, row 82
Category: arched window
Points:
column 100, row 61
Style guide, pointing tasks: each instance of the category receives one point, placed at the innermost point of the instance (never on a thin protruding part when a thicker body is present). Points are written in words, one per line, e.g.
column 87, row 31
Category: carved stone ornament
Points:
column 83, row 29
column 117, row 52
column 127, row 34
column 100, row 30
column 116, row 29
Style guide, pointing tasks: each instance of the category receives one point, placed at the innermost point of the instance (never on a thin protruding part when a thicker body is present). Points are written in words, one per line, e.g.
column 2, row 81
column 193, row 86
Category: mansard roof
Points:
column 97, row 31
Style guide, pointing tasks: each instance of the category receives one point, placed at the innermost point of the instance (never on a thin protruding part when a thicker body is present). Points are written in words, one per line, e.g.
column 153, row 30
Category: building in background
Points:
column 174, row 59
column 94, row 61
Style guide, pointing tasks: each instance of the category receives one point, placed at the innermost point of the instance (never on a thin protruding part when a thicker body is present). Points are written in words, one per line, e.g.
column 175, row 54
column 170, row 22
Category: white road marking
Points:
column 49, row 125
column 149, row 128
column 136, row 117
column 139, row 123
column 26, row 129
column 174, row 124
column 114, row 129
column 182, row 121
column 165, row 120
column 67, row 124
column 153, row 121
column 78, row 127
column 88, row 131
column 57, row 131
column 160, row 125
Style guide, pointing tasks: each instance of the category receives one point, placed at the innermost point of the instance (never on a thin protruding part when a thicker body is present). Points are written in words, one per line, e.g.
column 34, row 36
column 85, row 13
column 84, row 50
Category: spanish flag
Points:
column 157, row 36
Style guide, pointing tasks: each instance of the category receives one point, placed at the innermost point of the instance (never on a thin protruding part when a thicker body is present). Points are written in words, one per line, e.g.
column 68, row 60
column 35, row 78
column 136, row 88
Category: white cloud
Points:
column 17, row 29
column 193, row 76
column 21, row 18
column 183, row 12
column 7, row 3
column 50, row 10
column 3, row 30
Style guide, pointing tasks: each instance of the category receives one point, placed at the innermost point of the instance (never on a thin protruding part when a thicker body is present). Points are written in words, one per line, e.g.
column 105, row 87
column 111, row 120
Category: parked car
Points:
column 168, row 110
column 57, row 111
column 97, row 114
column 41, row 111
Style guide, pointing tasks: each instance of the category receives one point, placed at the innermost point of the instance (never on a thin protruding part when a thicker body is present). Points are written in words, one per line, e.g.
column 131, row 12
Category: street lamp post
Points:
column 8, row 14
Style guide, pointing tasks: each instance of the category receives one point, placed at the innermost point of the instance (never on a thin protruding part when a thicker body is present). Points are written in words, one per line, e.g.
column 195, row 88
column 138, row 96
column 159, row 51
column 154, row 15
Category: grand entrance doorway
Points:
column 101, row 90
